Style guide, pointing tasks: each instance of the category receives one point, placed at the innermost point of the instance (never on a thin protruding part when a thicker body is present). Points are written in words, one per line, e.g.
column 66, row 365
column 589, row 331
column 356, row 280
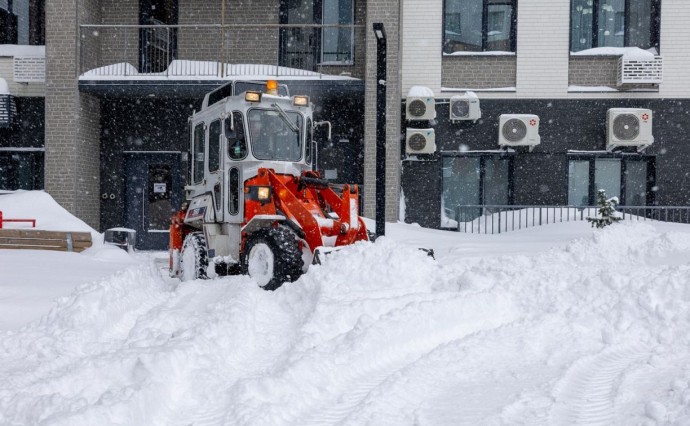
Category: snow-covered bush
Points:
column 607, row 211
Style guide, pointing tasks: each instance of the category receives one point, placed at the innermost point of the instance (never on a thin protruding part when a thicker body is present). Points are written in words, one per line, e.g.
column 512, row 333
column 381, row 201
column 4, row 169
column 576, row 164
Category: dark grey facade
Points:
column 569, row 129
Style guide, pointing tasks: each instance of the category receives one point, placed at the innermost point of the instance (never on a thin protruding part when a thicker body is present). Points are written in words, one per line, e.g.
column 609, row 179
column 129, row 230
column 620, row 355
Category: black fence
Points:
column 496, row 219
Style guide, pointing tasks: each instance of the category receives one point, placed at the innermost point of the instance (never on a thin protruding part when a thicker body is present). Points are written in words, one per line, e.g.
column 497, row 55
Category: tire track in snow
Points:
column 364, row 372
column 586, row 393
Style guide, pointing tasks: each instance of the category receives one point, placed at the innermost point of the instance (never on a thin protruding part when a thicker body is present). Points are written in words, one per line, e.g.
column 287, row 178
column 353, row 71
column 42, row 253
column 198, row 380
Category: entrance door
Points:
column 154, row 188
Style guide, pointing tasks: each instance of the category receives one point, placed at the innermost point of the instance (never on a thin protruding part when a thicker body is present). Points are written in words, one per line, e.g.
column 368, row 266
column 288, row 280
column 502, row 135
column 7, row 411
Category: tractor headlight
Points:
column 263, row 193
column 300, row 101
column 250, row 96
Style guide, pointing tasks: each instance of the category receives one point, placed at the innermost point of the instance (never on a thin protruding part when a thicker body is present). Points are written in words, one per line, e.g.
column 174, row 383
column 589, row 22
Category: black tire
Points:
column 194, row 257
column 272, row 257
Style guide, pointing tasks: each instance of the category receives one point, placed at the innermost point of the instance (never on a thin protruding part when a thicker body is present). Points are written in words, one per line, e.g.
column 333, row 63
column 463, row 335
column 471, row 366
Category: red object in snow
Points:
column 32, row 221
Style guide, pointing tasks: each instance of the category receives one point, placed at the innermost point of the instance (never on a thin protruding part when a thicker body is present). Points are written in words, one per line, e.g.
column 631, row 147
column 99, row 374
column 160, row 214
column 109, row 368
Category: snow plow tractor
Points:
column 255, row 203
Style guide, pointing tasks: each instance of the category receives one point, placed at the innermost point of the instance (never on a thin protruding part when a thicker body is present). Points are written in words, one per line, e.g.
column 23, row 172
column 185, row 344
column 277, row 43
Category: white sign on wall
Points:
column 29, row 69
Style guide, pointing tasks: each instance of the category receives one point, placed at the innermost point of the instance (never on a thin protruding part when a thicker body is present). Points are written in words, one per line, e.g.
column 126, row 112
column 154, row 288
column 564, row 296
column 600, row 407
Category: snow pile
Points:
column 420, row 92
column 41, row 206
column 30, row 280
column 590, row 331
column 629, row 53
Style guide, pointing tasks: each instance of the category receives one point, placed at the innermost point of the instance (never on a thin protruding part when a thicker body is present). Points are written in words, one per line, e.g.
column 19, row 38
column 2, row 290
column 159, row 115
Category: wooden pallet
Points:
column 32, row 239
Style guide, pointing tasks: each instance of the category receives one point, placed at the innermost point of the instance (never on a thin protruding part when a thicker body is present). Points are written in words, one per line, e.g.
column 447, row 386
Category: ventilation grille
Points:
column 8, row 110
column 417, row 142
column 514, row 130
column 417, row 108
column 626, row 127
column 460, row 109
column 640, row 71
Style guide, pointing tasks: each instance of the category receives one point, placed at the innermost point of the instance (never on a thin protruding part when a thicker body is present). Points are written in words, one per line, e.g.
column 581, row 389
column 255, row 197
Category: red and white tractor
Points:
column 255, row 205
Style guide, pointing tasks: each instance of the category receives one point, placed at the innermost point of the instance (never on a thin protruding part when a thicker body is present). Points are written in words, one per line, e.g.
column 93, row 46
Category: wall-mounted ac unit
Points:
column 640, row 70
column 629, row 127
column 518, row 130
column 420, row 108
column 420, row 141
column 465, row 107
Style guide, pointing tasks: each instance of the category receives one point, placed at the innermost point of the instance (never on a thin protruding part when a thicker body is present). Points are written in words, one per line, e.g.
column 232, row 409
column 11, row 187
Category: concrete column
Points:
column 388, row 12
column 72, row 139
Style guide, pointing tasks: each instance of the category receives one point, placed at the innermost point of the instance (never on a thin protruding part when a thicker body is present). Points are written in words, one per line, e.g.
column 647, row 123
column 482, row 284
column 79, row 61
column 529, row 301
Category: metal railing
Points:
column 496, row 219
column 214, row 50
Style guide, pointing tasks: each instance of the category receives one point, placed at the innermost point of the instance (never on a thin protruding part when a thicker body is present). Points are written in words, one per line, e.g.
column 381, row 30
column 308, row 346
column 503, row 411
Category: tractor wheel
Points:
column 272, row 257
column 194, row 257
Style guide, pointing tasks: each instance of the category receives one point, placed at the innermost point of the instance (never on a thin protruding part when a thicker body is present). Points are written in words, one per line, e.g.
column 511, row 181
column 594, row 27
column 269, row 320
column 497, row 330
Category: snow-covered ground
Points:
column 556, row 325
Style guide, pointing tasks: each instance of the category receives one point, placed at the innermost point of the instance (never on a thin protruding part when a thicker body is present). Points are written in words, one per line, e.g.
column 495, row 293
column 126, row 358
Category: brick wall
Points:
column 593, row 71
column 71, row 160
column 478, row 72
column 599, row 71
column 385, row 11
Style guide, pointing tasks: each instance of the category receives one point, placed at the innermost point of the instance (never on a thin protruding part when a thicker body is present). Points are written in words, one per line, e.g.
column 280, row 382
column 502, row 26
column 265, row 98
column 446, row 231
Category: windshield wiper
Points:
column 285, row 118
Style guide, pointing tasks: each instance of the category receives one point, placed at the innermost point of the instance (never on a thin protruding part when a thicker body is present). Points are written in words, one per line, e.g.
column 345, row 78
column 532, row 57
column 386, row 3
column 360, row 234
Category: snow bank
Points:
column 591, row 330
column 41, row 206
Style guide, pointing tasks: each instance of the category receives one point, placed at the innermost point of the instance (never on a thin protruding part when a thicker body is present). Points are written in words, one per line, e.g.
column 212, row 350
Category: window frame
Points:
column 485, row 28
column 317, row 33
column 483, row 158
column 625, row 158
column 237, row 118
column 196, row 143
column 215, row 147
column 654, row 30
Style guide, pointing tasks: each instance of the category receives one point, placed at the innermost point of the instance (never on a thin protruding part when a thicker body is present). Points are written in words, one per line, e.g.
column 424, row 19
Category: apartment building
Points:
column 543, row 102
column 22, row 92
column 120, row 79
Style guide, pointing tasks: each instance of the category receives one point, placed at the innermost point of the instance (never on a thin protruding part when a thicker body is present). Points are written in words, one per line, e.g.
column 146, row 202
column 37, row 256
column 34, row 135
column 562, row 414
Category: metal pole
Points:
column 380, row 34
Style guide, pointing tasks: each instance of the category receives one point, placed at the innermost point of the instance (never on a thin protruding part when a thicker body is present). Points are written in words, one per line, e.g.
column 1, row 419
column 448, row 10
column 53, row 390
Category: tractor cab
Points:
column 255, row 204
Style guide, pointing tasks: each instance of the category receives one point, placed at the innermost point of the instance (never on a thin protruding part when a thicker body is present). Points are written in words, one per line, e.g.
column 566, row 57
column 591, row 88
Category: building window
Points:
column 22, row 22
column 158, row 42
column 308, row 47
column 21, row 168
column 473, row 181
column 479, row 25
column 614, row 23
column 630, row 178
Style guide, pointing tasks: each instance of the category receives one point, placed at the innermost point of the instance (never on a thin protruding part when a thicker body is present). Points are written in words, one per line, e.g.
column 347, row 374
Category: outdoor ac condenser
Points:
column 629, row 127
column 518, row 130
column 420, row 141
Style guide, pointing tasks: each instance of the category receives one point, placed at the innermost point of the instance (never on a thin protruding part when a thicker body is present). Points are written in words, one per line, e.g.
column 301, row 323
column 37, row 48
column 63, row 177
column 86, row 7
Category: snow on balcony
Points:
column 206, row 70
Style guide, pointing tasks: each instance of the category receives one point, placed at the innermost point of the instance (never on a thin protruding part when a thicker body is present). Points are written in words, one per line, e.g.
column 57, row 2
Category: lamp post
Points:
column 380, row 34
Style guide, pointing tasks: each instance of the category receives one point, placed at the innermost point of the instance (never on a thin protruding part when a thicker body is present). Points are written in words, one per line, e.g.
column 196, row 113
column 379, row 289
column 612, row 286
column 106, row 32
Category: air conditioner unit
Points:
column 465, row 107
column 629, row 127
column 420, row 108
column 420, row 141
column 518, row 130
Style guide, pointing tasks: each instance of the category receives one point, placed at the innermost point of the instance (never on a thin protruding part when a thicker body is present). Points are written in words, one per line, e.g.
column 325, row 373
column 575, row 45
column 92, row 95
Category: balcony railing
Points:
column 218, row 51
column 497, row 219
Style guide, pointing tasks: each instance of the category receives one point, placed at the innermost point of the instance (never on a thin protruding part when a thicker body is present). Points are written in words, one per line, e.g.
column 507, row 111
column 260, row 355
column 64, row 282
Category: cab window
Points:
column 214, row 146
column 310, row 137
column 199, row 153
column 237, row 140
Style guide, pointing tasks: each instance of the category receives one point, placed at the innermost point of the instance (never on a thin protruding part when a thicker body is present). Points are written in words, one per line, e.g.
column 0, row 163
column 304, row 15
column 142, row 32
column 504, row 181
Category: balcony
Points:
column 217, row 52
